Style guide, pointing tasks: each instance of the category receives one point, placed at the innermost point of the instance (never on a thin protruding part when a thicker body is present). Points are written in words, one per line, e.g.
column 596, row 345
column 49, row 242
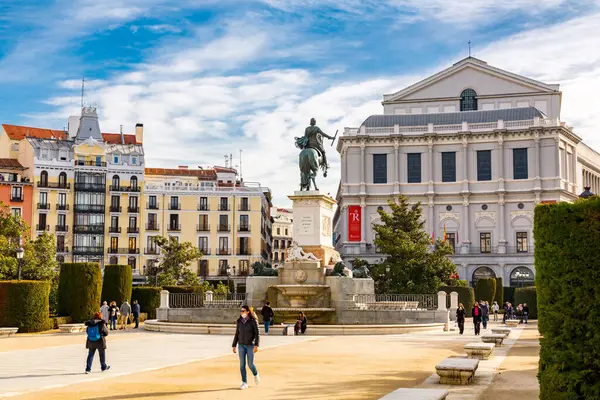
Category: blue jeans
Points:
column 525, row 317
column 267, row 325
column 90, row 359
column 246, row 351
column 113, row 323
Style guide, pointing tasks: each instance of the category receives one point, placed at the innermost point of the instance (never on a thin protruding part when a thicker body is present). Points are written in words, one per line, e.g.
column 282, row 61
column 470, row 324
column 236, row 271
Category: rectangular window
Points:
column 484, row 165
column 114, row 242
column 520, row 164
column 16, row 212
column 379, row 168
column 204, row 203
column 60, row 243
column 223, row 206
column 522, row 242
column 223, row 245
column 62, row 199
column 174, row 221
column 152, row 202
column 133, row 160
column 16, row 193
column 115, row 159
column 203, row 268
column 276, row 243
column 133, row 222
column 62, row 220
column 133, row 202
column 43, row 198
column 203, row 222
column 152, row 219
column 132, row 243
column 151, row 244
column 244, row 204
column 244, row 224
column 114, row 222
column 174, row 203
column 278, row 231
column 42, row 218
column 449, row 167
column 451, row 239
column 223, row 222
column 223, row 267
column 414, row 167
column 244, row 267
column 115, row 201
column 286, row 232
column 485, row 242
column 243, row 246
column 203, row 244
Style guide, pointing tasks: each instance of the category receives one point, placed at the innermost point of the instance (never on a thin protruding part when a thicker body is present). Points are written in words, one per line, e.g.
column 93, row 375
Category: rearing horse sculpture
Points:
column 313, row 156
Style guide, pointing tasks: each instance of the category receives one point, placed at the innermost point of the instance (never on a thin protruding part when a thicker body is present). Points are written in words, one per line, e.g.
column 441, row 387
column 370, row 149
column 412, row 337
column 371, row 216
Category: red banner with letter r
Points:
column 354, row 223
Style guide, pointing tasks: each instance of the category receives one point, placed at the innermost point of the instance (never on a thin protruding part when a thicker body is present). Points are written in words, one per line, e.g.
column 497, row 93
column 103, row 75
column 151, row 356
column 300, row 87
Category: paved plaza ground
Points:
column 149, row 365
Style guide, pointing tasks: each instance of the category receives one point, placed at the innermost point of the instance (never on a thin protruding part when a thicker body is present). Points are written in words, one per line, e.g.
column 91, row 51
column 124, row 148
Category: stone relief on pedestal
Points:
column 295, row 253
column 326, row 226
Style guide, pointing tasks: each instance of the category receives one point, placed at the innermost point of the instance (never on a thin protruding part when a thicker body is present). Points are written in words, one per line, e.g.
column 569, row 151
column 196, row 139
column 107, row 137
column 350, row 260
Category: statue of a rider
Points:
column 313, row 138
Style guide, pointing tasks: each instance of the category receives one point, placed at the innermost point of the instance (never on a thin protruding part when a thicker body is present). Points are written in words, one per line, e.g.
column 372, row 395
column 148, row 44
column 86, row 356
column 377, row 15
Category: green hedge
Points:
column 25, row 305
column 117, row 283
column 485, row 289
column 466, row 296
column 499, row 296
column 509, row 294
column 527, row 295
column 56, row 321
column 183, row 289
column 567, row 255
column 149, row 299
column 79, row 288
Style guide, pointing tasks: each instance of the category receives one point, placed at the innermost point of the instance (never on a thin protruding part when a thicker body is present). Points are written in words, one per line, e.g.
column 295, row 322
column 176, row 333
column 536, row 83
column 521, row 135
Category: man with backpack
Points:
column 96, row 340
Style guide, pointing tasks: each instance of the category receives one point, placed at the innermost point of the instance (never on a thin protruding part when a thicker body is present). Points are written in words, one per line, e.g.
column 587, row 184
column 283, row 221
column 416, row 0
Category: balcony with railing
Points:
column 133, row 229
column 205, row 251
column 203, row 207
column 43, row 206
column 114, row 229
column 95, row 228
column 243, row 228
column 62, row 249
column 243, row 252
column 152, row 226
column 224, row 228
column 202, row 228
column 244, row 207
column 16, row 197
column 61, row 228
column 224, row 207
column 89, row 208
column 54, row 185
column 90, row 163
column 42, row 228
column 174, row 227
column 62, row 207
column 488, row 250
column 122, row 250
column 117, row 188
column 133, row 209
column 116, row 209
column 90, row 187
column 202, row 269
column 223, row 252
column 88, row 250
column 174, row 206
column 151, row 250
column 152, row 206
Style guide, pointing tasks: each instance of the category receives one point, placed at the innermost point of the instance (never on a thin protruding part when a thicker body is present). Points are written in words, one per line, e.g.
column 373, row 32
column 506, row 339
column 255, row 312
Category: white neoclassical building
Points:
column 479, row 147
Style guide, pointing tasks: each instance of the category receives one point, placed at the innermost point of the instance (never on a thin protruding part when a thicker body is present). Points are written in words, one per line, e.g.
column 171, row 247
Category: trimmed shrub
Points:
column 183, row 289
column 527, row 295
column 485, row 289
column 509, row 294
column 466, row 296
column 25, row 305
column 567, row 256
column 499, row 296
column 149, row 299
column 117, row 283
column 79, row 288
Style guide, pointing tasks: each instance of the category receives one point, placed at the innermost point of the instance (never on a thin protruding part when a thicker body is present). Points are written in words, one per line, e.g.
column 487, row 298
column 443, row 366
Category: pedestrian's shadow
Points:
column 157, row 394
column 40, row 376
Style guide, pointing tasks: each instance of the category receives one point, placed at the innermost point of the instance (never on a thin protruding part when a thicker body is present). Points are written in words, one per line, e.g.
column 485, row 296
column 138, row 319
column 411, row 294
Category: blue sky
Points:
column 210, row 77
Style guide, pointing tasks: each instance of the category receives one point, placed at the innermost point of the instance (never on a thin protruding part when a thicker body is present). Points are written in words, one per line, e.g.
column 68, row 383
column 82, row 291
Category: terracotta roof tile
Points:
column 115, row 138
column 10, row 163
column 16, row 132
column 203, row 174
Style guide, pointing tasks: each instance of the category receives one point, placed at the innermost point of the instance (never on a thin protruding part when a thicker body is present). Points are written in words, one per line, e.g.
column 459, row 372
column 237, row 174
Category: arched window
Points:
column 44, row 179
column 62, row 180
column 114, row 260
column 133, row 182
column 468, row 100
column 482, row 272
column 521, row 276
column 116, row 182
column 131, row 262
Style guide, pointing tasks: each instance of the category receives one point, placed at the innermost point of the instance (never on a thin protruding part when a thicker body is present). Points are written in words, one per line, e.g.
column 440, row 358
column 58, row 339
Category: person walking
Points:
column 247, row 340
column 135, row 311
column 125, row 312
column 301, row 322
column 104, row 310
column 506, row 311
column 97, row 332
column 495, row 309
column 485, row 313
column 525, row 313
column 113, row 315
column 267, row 314
column 476, row 314
column 460, row 318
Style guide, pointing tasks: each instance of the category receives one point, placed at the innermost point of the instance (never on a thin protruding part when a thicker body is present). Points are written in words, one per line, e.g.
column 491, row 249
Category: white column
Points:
column 501, row 164
column 208, row 296
column 453, row 300
column 537, row 165
column 465, row 143
column 164, row 299
column 396, row 168
column 575, row 188
column 441, row 301
column 501, row 222
column 363, row 165
column 431, row 163
column 363, row 221
column 344, row 166
column 465, row 225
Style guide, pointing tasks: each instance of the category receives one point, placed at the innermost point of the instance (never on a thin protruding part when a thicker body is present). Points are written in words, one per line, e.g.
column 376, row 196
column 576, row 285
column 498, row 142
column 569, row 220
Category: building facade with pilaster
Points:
column 479, row 147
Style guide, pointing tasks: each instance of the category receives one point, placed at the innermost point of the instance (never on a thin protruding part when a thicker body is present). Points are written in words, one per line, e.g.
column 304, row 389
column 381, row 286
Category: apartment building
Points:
column 282, row 233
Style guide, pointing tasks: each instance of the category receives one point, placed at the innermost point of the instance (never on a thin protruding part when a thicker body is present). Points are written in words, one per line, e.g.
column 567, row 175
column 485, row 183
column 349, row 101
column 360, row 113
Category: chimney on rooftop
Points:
column 183, row 167
column 122, row 138
column 139, row 133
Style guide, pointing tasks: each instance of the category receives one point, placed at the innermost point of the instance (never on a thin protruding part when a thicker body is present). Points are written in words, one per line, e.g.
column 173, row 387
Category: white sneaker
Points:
column 257, row 379
column 244, row 386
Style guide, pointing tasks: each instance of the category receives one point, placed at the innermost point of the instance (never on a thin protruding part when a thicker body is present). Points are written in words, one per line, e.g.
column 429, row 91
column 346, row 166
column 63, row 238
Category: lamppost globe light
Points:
column 20, row 253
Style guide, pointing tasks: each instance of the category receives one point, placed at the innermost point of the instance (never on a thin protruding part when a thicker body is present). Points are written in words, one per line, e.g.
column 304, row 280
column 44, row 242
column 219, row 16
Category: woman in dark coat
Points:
column 477, row 315
column 300, row 326
column 460, row 317
column 97, row 331
column 246, row 339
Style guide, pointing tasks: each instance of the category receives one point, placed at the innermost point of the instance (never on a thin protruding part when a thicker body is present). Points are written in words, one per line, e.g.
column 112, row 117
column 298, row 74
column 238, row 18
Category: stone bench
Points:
column 480, row 351
column 457, row 371
column 512, row 323
column 8, row 332
column 501, row 331
column 416, row 394
column 71, row 328
column 496, row 338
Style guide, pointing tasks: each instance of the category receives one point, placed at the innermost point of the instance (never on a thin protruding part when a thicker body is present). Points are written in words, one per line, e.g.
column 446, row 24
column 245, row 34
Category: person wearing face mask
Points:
column 246, row 339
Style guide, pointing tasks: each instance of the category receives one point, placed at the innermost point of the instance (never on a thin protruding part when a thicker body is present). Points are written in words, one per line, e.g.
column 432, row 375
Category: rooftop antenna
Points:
column 82, row 90
column 241, row 176
column 226, row 160
column 230, row 160
column 469, row 48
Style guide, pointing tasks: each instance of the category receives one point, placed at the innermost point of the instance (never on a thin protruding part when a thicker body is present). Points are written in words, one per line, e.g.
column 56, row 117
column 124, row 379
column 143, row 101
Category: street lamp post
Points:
column 228, row 277
column 234, row 285
column 20, row 253
column 387, row 276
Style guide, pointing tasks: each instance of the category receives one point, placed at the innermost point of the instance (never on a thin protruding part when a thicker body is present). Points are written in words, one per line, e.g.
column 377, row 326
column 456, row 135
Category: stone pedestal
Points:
column 313, row 223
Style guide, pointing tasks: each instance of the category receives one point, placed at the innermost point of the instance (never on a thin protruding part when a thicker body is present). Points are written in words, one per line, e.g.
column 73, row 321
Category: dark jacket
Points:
column 485, row 310
column 476, row 318
column 303, row 322
column 460, row 315
column 526, row 309
column 113, row 310
column 99, row 344
column 267, row 313
column 136, row 309
column 246, row 333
